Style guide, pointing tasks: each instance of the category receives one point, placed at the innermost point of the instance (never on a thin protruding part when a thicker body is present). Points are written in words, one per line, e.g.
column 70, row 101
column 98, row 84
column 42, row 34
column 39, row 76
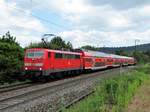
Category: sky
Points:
column 109, row 23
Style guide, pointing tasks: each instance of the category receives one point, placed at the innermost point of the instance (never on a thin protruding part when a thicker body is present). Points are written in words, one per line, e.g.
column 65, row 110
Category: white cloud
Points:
column 102, row 38
column 79, row 38
column 94, row 17
column 106, row 26
column 19, row 22
column 119, row 4
column 95, row 23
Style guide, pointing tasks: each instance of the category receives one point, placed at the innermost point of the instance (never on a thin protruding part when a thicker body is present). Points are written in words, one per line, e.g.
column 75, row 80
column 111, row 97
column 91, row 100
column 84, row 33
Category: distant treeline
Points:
column 142, row 48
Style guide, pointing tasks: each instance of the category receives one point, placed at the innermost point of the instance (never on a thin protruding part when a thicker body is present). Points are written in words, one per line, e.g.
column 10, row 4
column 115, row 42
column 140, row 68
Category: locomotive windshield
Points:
column 35, row 54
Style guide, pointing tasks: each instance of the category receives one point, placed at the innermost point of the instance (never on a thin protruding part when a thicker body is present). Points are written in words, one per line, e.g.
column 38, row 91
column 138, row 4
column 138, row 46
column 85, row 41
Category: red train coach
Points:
column 43, row 62
column 95, row 60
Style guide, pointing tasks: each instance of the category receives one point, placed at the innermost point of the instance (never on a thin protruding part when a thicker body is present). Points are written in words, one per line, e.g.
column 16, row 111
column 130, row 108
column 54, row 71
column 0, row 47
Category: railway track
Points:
column 19, row 99
column 15, row 87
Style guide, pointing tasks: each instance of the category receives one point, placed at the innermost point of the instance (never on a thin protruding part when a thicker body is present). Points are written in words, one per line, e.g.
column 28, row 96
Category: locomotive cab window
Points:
column 35, row 54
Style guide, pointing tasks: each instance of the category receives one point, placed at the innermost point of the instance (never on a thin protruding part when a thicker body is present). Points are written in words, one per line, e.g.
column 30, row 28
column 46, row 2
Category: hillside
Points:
column 142, row 47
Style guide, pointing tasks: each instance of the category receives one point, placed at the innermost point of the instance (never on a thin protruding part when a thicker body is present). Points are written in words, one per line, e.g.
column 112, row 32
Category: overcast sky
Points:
column 93, row 22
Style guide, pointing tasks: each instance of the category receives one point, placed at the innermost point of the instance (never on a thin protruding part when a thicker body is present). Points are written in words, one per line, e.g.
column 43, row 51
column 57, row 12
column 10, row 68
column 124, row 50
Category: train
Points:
column 42, row 63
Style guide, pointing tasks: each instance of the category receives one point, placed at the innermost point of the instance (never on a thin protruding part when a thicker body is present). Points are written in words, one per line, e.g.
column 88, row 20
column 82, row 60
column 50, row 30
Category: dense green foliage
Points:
column 142, row 57
column 55, row 43
column 113, row 95
column 11, row 58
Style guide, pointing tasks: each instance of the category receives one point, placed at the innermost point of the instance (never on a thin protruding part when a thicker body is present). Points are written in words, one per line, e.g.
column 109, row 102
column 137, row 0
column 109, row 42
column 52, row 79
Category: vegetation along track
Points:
column 13, row 101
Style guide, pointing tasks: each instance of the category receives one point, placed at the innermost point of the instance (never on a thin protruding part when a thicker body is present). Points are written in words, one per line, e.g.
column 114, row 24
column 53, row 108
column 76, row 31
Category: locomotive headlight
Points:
column 40, row 68
column 26, row 68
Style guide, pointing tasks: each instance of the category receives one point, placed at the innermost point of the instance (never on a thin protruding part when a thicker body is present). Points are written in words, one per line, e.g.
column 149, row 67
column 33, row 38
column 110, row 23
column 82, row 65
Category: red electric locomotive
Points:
column 43, row 62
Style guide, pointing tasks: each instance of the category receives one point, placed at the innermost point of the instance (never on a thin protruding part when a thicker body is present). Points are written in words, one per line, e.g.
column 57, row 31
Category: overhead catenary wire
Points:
column 58, row 26
column 48, row 21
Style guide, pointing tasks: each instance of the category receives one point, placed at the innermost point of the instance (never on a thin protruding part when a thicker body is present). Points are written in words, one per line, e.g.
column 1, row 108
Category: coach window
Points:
column 49, row 54
column 109, row 60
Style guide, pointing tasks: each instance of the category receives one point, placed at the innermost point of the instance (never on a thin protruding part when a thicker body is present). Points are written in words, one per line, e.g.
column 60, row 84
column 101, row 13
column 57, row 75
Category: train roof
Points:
column 65, row 52
column 119, row 56
column 57, row 51
column 95, row 53
column 86, row 53
column 102, row 54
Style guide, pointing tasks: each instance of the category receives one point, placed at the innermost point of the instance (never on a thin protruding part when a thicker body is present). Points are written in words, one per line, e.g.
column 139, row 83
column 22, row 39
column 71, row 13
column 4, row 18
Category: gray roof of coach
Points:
column 102, row 54
column 118, row 56
column 97, row 53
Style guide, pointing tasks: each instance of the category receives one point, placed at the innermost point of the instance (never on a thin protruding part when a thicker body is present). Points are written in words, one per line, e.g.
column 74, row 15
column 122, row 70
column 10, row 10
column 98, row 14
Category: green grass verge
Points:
column 114, row 94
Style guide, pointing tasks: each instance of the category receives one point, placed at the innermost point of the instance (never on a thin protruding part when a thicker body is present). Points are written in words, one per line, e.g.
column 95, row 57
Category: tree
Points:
column 141, row 57
column 11, row 57
column 8, row 38
column 36, row 45
column 55, row 43
column 88, row 47
column 121, row 52
column 69, row 46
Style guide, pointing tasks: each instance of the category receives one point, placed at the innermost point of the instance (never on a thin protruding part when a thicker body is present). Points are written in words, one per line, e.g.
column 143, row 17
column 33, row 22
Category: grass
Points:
column 141, row 100
column 113, row 95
